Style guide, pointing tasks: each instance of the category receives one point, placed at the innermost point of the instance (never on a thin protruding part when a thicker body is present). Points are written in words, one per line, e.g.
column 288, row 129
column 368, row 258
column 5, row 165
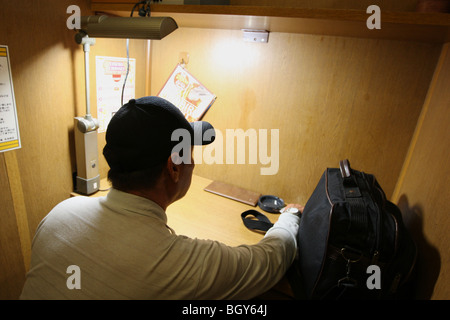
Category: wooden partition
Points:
column 423, row 192
column 330, row 98
column 48, row 91
column 48, row 74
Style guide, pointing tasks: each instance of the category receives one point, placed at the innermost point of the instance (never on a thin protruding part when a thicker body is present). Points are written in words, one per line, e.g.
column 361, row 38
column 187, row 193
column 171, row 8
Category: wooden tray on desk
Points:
column 233, row 192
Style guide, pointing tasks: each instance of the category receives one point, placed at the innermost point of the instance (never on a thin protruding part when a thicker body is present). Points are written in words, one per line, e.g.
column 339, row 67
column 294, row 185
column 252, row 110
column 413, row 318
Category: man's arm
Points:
column 249, row 270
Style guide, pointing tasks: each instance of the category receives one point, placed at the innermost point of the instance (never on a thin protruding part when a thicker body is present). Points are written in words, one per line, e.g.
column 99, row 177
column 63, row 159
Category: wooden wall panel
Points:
column 12, row 269
column 329, row 97
column 48, row 72
column 423, row 192
column 398, row 5
column 44, row 62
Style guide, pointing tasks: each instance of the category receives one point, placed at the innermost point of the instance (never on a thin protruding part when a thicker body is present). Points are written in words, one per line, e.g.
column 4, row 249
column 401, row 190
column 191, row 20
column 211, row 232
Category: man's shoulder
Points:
column 78, row 200
column 75, row 204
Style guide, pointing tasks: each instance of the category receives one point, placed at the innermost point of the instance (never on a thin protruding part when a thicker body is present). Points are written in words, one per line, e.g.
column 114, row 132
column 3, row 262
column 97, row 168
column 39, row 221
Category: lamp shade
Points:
column 128, row 27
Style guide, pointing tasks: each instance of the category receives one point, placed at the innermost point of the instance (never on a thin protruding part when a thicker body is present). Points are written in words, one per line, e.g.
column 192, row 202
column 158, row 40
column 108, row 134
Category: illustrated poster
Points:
column 187, row 93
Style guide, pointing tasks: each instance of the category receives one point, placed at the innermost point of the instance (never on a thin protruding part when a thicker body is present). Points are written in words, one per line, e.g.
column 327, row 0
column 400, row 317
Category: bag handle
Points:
column 262, row 223
column 344, row 165
column 349, row 180
column 358, row 216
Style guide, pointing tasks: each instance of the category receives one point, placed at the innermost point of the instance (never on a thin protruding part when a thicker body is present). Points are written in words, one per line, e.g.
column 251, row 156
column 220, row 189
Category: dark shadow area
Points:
column 429, row 260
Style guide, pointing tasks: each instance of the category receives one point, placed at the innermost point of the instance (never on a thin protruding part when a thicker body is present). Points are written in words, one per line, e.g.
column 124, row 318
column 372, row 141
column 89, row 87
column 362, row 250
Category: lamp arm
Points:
column 88, row 123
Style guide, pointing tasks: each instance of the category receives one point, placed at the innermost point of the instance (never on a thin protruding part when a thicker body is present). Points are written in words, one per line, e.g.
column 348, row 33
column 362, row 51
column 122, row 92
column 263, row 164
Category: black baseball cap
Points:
column 141, row 135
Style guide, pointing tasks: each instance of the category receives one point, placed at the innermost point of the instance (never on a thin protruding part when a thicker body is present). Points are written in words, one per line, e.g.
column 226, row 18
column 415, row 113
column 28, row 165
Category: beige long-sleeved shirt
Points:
column 123, row 249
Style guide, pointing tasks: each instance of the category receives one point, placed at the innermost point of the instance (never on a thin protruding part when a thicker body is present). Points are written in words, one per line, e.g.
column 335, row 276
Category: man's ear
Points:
column 173, row 166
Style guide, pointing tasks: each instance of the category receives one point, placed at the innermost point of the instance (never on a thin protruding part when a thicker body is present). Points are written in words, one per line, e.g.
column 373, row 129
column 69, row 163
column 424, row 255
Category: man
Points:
column 120, row 244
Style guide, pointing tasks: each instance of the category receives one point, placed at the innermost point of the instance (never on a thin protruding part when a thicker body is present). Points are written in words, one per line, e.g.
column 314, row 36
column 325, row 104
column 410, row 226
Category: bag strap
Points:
column 262, row 223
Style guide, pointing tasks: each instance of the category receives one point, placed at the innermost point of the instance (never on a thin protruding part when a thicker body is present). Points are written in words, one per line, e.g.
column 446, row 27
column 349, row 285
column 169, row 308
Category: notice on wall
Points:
column 110, row 74
column 9, row 126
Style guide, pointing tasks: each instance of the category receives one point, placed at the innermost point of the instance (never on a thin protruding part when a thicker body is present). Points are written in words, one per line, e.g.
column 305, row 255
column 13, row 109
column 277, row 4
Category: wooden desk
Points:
column 204, row 215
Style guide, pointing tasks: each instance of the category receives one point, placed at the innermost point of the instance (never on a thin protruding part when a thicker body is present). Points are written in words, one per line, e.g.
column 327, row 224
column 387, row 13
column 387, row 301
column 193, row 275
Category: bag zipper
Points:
column 376, row 251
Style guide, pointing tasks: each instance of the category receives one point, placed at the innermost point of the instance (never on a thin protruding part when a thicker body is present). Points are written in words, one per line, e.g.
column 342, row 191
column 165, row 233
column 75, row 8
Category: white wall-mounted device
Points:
column 85, row 129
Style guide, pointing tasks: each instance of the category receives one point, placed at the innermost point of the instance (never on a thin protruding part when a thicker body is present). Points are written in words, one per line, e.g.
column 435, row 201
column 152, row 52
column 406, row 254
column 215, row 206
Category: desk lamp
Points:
column 143, row 27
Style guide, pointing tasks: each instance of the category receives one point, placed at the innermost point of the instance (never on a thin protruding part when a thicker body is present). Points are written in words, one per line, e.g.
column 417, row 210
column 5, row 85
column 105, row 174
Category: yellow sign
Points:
column 9, row 126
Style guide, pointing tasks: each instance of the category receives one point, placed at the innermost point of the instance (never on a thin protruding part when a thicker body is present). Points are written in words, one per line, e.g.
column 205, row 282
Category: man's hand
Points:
column 293, row 208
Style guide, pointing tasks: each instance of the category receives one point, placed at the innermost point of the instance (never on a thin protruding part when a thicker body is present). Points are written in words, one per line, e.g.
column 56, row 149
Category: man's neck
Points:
column 158, row 197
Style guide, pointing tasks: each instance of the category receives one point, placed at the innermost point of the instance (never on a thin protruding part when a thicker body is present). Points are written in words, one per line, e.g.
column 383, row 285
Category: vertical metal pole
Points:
column 86, row 48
